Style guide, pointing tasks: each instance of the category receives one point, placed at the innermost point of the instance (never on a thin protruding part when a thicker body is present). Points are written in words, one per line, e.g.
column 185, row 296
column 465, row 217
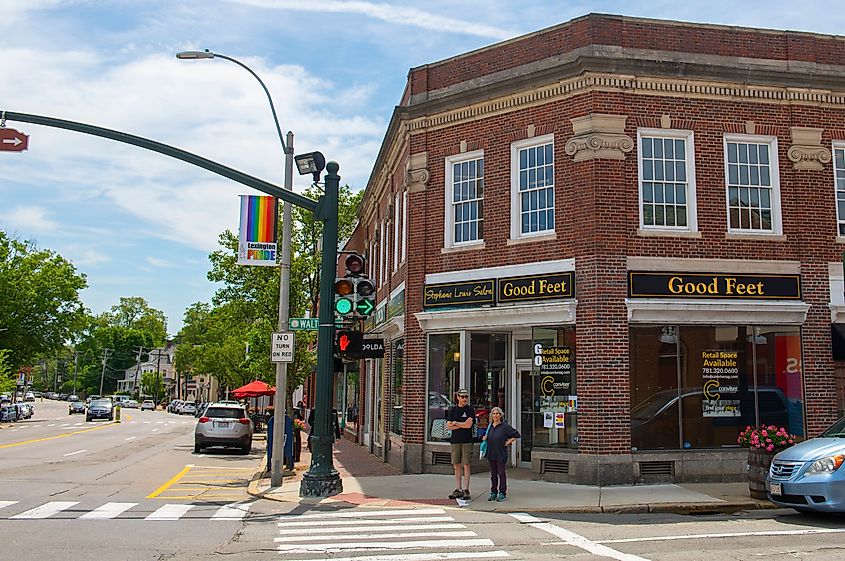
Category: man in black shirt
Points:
column 459, row 420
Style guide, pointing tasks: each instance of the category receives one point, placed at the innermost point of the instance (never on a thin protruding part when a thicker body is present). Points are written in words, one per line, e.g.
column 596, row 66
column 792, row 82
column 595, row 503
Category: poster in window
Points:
column 720, row 375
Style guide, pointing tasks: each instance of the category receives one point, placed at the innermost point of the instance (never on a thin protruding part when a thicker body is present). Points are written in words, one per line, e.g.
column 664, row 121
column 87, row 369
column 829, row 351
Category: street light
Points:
column 284, row 281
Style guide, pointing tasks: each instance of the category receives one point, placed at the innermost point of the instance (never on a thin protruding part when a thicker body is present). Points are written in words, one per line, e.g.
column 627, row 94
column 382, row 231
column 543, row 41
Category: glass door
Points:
column 526, row 411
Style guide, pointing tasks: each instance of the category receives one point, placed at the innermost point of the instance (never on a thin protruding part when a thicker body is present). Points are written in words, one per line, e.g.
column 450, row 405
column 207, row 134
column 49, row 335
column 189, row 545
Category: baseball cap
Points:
column 463, row 392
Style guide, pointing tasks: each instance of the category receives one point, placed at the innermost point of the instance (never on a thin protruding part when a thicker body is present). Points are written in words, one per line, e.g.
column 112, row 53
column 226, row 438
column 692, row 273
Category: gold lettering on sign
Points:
column 743, row 289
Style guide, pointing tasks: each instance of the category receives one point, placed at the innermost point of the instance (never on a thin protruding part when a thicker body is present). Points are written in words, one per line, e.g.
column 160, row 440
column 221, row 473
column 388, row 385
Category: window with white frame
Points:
column 839, row 185
column 464, row 199
column 382, row 265
column 533, row 187
column 396, row 232
column 753, row 186
column 667, row 179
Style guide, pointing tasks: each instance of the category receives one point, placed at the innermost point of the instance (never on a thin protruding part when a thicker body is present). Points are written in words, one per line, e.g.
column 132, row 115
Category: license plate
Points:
column 221, row 425
column 776, row 488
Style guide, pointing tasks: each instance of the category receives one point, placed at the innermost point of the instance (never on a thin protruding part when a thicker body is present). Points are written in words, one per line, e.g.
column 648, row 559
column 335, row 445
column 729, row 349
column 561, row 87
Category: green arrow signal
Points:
column 365, row 307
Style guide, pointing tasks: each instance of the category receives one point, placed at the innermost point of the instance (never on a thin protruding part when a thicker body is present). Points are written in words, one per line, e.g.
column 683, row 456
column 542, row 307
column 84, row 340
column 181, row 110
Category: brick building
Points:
column 627, row 233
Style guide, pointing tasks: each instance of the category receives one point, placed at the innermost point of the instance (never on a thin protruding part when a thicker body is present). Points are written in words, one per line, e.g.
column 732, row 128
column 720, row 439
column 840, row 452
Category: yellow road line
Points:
column 63, row 435
column 172, row 480
column 225, row 467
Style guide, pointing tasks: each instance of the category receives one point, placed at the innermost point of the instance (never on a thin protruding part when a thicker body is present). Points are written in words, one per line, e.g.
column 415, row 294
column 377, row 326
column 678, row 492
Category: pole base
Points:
column 320, row 485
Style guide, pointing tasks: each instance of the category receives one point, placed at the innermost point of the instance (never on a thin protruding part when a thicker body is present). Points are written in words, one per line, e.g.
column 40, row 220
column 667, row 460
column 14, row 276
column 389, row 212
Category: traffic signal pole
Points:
column 321, row 479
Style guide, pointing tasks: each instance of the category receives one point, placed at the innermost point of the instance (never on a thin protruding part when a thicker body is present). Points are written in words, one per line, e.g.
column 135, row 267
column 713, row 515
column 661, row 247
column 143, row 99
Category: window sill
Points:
column 648, row 233
column 755, row 236
column 840, row 239
column 537, row 238
column 460, row 248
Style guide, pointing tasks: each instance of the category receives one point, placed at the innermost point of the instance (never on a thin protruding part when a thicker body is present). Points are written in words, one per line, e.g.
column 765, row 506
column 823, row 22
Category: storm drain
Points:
column 554, row 466
column 653, row 469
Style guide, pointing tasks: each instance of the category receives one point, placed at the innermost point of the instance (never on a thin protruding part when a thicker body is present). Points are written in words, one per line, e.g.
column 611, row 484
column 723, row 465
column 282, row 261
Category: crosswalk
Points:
column 382, row 535
column 152, row 511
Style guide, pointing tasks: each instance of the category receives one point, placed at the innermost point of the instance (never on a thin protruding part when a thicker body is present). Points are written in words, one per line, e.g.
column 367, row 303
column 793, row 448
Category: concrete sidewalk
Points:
column 368, row 481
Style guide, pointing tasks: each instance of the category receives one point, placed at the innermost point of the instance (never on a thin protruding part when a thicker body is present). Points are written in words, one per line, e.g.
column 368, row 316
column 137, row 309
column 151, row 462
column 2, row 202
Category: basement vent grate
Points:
column 657, row 468
column 554, row 466
column 441, row 458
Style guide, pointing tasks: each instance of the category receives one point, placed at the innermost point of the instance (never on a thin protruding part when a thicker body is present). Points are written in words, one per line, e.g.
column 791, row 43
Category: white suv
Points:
column 223, row 425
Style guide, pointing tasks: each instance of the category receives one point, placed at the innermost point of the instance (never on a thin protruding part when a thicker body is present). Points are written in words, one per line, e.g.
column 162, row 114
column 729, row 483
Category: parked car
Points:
column 75, row 407
column 188, row 408
column 29, row 396
column 25, row 410
column 130, row 404
column 807, row 476
column 100, row 409
column 224, row 425
column 148, row 404
column 91, row 398
column 8, row 413
column 201, row 410
column 173, row 406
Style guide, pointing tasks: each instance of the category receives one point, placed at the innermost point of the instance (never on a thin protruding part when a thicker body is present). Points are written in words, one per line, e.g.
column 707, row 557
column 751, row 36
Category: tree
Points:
column 7, row 378
column 151, row 385
column 40, row 309
column 135, row 313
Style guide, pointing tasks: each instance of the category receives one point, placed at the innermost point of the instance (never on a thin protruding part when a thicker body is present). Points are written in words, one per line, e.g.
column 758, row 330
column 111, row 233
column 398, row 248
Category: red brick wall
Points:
column 628, row 33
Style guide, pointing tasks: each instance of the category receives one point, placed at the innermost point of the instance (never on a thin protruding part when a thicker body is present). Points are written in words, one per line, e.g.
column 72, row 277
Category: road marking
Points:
column 172, row 480
column 45, row 510
column 170, row 512
column 4, row 504
column 233, row 511
column 75, row 453
column 366, row 514
column 63, row 435
column 132, row 438
column 53, row 425
column 225, row 467
column 422, row 556
column 328, row 523
column 806, row 532
column 575, row 539
column 357, row 546
column 108, row 510
column 391, row 526
column 358, row 536
column 155, row 430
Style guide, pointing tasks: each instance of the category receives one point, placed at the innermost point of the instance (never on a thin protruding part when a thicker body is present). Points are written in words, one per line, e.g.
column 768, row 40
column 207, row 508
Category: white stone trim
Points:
column 557, row 313
column 525, row 269
column 706, row 312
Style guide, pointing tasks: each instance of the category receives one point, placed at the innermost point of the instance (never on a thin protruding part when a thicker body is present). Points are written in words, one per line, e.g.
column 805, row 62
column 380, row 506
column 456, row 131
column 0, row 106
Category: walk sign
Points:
column 304, row 324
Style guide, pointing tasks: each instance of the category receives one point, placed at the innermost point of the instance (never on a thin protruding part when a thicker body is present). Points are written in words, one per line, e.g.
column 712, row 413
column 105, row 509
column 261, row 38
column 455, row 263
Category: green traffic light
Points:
column 343, row 306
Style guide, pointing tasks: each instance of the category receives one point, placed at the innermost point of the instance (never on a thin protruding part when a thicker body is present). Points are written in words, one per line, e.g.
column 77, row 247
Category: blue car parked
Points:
column 809, row 476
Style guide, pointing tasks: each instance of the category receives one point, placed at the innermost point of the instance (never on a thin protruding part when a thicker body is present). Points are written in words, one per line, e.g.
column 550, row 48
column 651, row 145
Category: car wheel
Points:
column 88, row 419
column 197, row 447
column 246, row 449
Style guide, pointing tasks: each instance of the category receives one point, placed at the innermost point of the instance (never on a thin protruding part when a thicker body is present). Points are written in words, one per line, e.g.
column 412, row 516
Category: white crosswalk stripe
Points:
column 108, row 510
column 383, row 533
column 4, row 504
column 46, row 510
column 170, row 512
column 233, row 512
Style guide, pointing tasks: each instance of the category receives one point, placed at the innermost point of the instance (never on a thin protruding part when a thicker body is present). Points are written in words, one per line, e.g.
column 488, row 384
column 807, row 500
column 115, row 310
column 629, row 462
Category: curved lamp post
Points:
column 284, row 283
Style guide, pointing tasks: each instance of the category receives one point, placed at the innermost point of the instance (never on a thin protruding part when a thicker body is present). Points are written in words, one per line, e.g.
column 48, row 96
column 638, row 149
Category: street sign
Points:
column 281, row 347
column 12, row 140
column 304, row 324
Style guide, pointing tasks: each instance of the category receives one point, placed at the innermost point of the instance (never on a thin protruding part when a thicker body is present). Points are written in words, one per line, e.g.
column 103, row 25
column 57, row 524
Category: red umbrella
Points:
column 254, row 389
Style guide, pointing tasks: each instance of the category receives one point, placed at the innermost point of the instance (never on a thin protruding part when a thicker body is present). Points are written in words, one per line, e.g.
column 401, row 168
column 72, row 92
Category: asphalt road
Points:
column 71, row 490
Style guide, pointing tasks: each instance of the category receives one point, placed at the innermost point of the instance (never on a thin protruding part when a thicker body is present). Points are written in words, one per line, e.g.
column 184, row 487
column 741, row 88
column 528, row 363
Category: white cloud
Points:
column 87, row 257
column 160, row 263
column 387, row 13
column 28, row 218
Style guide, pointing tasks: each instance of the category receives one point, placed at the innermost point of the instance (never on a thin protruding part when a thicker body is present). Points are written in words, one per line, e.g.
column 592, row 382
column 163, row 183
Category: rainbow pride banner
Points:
column 257, row 237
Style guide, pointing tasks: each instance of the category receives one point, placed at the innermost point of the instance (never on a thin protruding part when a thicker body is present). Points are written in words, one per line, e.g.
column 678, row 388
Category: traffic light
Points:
column 349, row 342
column 354, row 294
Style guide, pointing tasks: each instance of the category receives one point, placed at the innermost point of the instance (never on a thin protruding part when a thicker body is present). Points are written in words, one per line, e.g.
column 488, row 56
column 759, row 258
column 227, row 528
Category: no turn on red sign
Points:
column 281, row 347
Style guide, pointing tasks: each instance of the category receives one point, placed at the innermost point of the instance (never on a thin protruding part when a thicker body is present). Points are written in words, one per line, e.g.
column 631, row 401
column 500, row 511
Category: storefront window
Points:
column 444, row 358
column 398, row 371
column 697, row 387
column 352, row 408
column 549, row 396
column 488, row 354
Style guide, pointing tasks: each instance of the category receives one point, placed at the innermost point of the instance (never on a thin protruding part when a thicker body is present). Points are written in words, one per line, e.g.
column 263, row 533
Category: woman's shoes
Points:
column 492, row 497
column 502, row 497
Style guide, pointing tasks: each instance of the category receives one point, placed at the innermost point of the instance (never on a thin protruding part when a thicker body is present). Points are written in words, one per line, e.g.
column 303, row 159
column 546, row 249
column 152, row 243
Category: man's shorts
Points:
column 462, row 453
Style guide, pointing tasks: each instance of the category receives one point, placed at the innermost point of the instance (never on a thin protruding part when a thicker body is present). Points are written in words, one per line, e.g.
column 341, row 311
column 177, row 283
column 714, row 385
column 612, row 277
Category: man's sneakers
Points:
column 492, row 496
column 502, row 497
column 457, row 494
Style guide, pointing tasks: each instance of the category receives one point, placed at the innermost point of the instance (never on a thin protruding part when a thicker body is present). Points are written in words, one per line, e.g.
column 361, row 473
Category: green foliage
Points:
column 7, row 378
column 40, row 308
column 135, row 313
column 151, row 385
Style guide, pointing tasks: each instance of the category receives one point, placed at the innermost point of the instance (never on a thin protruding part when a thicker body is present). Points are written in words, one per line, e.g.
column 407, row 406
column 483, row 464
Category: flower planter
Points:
column 758, row 467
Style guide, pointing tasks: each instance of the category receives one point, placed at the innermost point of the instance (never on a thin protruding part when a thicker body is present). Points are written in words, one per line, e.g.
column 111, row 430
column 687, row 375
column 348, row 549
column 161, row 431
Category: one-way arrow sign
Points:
column 12, row 140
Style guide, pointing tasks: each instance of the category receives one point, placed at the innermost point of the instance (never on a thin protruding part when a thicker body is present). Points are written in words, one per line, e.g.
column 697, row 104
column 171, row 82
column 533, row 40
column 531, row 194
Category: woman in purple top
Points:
column 499, row 436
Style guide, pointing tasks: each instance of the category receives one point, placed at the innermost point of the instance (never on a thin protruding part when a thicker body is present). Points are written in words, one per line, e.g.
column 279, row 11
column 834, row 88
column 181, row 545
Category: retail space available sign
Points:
column 531, row 288
column 720, row 376
column 281, row 347
column 714, row 285
column 553, row 368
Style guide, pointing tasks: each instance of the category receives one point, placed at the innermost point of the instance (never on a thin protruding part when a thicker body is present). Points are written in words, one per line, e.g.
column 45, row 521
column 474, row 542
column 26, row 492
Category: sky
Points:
column 138, row 223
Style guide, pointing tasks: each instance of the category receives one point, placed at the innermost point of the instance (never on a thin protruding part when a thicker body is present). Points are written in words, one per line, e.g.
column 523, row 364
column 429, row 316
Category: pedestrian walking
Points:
column 499, row 436
column 459, row 420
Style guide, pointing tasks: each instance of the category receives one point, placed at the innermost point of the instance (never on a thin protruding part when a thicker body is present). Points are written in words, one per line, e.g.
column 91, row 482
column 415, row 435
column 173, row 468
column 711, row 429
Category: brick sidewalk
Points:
column 349, row 459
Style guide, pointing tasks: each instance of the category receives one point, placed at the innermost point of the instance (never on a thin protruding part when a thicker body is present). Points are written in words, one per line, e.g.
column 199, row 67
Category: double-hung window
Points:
column 464, row 199
column 667, row 180
column 533, row 187
column 753, row 186
column 839, row 185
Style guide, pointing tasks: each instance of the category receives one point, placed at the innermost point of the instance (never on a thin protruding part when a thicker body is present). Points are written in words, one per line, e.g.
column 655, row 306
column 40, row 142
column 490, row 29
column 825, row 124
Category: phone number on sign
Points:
column 720, row 370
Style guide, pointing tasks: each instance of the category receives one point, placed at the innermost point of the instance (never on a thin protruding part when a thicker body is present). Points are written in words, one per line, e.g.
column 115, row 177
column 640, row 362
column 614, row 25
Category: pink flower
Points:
column 764, row 432
column 791, row 441
column 770, row 447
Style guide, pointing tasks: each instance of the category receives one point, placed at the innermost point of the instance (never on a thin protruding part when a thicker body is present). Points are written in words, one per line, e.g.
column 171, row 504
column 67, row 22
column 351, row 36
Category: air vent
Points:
column 441, row 458
column 554, row 466
column 648, row 469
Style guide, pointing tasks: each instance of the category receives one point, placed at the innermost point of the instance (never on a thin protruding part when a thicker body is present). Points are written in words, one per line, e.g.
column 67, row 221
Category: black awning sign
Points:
column 714, row 285
column 459, row 293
